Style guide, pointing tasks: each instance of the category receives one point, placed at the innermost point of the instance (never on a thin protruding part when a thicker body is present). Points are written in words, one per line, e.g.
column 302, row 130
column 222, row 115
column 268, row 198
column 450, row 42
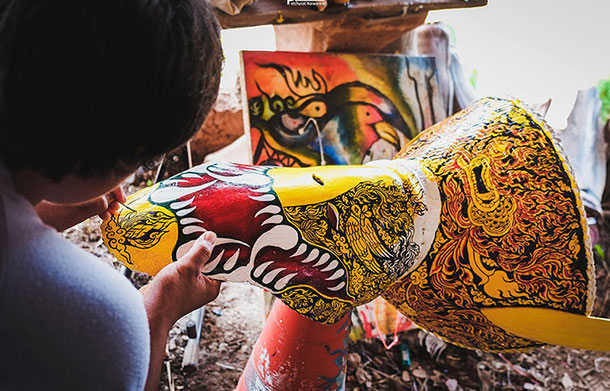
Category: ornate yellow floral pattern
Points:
column 510, row 232
column 140, row 230
column 308, row 302
column 369, row 228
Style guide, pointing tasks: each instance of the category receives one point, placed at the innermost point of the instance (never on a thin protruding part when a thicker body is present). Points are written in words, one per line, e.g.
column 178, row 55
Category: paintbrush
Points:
column 112, row 197
column 125, row 206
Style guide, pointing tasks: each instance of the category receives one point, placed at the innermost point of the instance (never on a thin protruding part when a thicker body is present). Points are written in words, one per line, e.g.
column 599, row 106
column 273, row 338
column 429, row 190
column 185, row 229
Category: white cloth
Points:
column 68, row 321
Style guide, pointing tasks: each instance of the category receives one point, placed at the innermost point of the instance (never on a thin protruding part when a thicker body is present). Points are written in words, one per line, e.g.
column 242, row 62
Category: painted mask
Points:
column 477, row 217
column 323, row 239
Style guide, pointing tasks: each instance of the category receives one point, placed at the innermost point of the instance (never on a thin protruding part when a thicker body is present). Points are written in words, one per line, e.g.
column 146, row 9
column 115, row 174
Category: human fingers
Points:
column 119, row 194
column 199, row 254
column 113, row 199
column 113, row 207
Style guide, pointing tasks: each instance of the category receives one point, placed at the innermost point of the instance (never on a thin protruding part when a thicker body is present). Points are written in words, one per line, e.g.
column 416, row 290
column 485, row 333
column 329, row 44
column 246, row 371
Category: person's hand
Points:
column 180, row 287
column 176, row 290
column 64, row 216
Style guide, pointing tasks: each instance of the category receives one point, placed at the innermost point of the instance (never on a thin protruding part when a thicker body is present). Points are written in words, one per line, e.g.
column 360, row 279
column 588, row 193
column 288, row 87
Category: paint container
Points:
column 295, row 353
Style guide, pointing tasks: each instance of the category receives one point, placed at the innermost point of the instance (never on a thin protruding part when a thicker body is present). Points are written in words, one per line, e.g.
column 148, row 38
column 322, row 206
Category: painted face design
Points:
column 322, row 239
column 475, row 231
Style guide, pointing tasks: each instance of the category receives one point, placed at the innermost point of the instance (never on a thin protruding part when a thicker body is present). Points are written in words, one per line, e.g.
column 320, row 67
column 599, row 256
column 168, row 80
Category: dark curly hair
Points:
column 89, row 86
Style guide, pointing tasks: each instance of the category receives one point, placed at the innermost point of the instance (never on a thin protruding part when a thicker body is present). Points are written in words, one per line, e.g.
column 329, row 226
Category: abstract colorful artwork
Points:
column 475, row 231
column 309, row 109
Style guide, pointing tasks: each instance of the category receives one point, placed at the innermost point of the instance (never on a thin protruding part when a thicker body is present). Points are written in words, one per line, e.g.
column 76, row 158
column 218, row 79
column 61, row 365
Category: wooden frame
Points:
column 277, row 12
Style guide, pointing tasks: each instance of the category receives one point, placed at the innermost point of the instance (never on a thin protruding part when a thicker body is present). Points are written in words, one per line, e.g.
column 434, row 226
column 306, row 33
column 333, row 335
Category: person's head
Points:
column 88, row 87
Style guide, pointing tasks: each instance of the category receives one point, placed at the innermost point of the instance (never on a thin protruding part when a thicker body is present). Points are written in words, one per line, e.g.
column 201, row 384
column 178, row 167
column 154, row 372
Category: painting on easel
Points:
column 309, row 109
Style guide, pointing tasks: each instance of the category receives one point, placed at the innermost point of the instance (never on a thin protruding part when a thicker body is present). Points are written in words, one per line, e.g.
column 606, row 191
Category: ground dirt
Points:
column 233, row 321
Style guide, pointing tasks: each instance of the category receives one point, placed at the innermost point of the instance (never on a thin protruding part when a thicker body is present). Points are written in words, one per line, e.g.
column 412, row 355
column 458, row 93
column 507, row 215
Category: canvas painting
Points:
column 308, row 109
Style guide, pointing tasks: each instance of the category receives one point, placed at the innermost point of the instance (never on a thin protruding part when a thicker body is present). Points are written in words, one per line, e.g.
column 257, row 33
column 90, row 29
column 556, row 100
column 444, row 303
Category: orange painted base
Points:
column 295, row 353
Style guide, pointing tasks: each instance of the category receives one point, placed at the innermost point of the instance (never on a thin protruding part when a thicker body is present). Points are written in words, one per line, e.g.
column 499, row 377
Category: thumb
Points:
column 200, row 253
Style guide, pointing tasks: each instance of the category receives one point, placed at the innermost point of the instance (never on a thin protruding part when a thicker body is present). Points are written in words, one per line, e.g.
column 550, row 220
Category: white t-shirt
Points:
column 68, row 321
